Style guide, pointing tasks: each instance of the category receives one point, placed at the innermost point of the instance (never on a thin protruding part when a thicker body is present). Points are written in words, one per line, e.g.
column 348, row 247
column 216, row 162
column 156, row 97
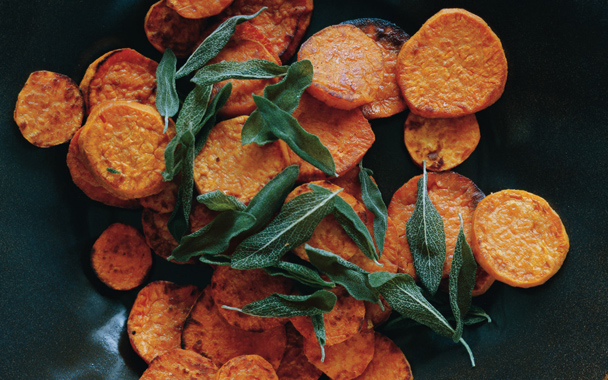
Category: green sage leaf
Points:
column 210, row 118
column 292, row 227
column 215, row 237
column 426, row 238
column 113, row 171
column 179, row 221
column 300, row 273
column 352, row 224
column 304, row 144
column 462, row 281
column 318, row 324
column 286, row 95
column 218, row 201
column 286, row 306
column 343, row 272
column 476, row 315
column 213, row 44
column 251, row 69
column 167, row 101
column 372, row 198
column 215, row 259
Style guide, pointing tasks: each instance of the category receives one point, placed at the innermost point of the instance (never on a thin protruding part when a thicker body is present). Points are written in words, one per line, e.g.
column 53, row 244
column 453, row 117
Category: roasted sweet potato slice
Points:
column 120, row 257
column 453, row 66
column 180, row 364
column 247, row 367
column 451, row 194
column 356, row 79
column 295, row 365
column 284, row 22
column 389, row 37
column 164, row 201
column 343, row 322
column 122, row 74
column 197, row 9
column 157, row 235
column 442, row 143
column 208, row 333
column 166, row 28
column 49, row 109
column 483, row 281
column 347, row 134
column 375, row 314
column 224, row 164
column 200, row 216
column 518, row 238
column 343, row 361
column 237, row 288
column 123, row 145
column 388, row 362
column 246, row 43
column 157, row 317
column 82, row 177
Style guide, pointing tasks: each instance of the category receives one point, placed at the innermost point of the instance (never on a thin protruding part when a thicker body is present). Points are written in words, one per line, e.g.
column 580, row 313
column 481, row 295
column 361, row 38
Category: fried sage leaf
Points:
column 300, row 273
column 251, row 69
column 426, row 238
column 372, row 198
column 218, row 201
column 281, row 305
column 167, row 101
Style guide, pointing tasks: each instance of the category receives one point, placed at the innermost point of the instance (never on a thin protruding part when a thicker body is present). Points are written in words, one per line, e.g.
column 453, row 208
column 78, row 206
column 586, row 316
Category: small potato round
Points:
column 247, row 367
column 121, row 258
column 388, row 362
column 295, row 365
column 49, row 109
column 123, row 145
column 196, row 9
column 348, row 66
column 518, row 238
column 453, row 66
column 180, row 364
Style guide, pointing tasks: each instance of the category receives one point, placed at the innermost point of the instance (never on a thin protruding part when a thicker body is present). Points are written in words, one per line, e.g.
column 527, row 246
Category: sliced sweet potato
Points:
column 343, row 322
column 442, row 143
column 388, row 362
column 237, row 288
column 49, row 109
column 180, row 364
column 389, row 37
column 166, row 28
column 483, row 281
column 375, row 314
column 284, row 22
column 247, row 367
column 157, row 235
column 200, row 216
column 451, row 194
column 246, row 43
column 348, row 66
column 157, row 317
column 295, row 365
column 518, row 238
column 343, row 361
column 224, row 164
column 197, row 9
column 120, row 257
column 123, row 145
column 164, row 201
column 208, row 333
column 82, row 177
column 122, row 74
column 347, row 134
column 453, row 66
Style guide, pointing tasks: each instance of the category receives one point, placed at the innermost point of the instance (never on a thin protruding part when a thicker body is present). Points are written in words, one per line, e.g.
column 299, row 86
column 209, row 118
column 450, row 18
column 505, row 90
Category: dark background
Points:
column 546, row 135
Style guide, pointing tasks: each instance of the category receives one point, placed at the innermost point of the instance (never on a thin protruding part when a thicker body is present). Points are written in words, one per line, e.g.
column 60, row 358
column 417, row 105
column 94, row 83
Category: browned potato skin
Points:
column 247, row 367
column 295, row 365
column 180, row 364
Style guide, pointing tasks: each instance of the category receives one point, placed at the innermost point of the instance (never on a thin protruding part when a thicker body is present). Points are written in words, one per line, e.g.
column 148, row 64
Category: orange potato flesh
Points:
column 247, row 367
column 120, row 257
column 388, row 362
column 518, row 238
column 198, row 8
column 295, row 365
column 453, row 66
column 180, row 364
column 49, row 109
column 157, row 317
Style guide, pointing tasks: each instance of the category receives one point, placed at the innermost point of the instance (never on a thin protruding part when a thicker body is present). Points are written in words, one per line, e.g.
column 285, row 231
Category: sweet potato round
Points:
column 247, row 367
column 198, row 8
column 180, row 364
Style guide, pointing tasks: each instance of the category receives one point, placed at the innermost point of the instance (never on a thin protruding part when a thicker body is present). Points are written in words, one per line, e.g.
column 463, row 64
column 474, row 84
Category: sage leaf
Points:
column 462, row 281
column 304, row 144
column 213, row 44
column 113, row 171
column 214, row 238
column 352, row 224
column 215, row 259
column 318, row 325
column 343, row 272
column 218, row 201
column 272, row 196
column 250, row 69
column 300, row 273
column 292, row 227
column 286, row 95
column 167, row 101
column 476, row 315
column 179, row 221
column 372, row 199
column 403, row 295
column 210, row 118
column 286, row 306
column 426, row 238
